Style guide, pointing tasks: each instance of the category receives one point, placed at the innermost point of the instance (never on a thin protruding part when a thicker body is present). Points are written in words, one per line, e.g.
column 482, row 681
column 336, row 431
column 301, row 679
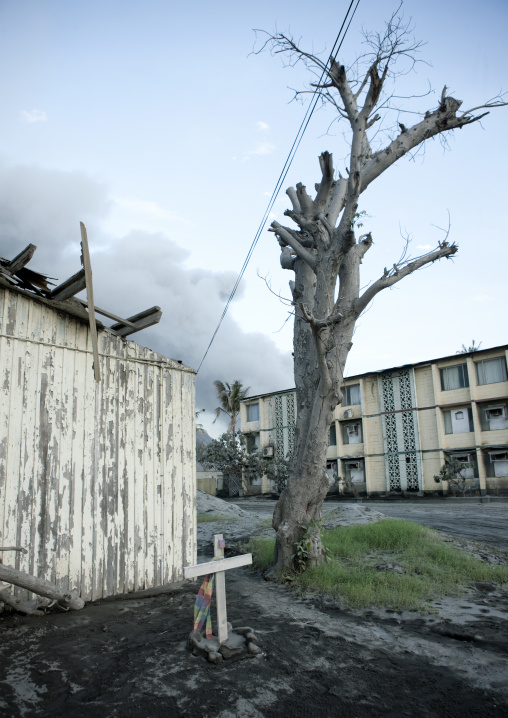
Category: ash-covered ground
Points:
column 128, row 657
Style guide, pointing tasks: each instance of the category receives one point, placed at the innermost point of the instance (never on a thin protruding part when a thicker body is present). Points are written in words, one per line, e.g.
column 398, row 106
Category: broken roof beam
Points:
column 21, row 259
column 69, row 288
column 26, row 278
column 110, row 315
column 138, row 321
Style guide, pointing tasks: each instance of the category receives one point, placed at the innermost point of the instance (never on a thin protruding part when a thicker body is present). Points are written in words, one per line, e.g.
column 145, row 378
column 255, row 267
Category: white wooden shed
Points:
column 97, row 479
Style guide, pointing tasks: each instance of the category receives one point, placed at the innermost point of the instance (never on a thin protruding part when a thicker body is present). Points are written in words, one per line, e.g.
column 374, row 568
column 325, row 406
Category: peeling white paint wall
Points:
column 97, row 480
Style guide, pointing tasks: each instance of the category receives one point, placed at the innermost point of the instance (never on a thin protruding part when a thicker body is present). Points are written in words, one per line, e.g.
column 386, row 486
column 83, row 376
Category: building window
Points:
column 496, row 463
column 253, row 412
column 332, row 471
column 493, row 417
column 351, row 395
column 352, row 432
column 454, row 377
column 491, row 371
column 333, row 436
column 252, row 443
column 466, row 458
column 354, row 471
column 458, row 421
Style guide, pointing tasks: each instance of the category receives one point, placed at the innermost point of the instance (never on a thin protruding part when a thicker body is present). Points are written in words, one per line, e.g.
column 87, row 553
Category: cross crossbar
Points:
column 223, row 564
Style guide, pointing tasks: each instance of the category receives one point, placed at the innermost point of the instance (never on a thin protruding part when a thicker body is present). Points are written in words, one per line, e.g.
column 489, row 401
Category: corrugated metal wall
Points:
column 97, row 480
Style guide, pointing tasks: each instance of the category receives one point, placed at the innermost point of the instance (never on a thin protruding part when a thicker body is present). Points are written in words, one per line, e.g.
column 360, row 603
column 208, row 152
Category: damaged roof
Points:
column 16, row 275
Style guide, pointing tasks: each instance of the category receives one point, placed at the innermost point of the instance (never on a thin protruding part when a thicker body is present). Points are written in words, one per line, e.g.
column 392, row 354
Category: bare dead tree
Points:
column 323, row 251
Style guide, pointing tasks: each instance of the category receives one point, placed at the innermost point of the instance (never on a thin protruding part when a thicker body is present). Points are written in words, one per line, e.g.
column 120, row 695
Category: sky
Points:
column 159, row 126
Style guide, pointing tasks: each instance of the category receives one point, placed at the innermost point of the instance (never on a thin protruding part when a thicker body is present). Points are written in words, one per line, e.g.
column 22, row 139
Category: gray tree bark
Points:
column 325, row 255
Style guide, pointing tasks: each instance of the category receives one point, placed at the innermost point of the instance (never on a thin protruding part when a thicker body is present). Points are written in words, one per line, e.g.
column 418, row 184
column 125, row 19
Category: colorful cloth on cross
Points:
column 202, row 606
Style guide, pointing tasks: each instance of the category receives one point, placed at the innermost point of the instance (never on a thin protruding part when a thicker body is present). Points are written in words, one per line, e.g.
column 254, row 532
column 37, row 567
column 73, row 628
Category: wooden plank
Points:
column 90, row 521
column 69, row 288
column 77, row 411
column 63, row 431
column 123, row 533
column 29, row 455
column 10, row 401
column 139, row 475
column 177, row 476
column 202, row 569
column 220, row 591
column 140, row 321
column 105, row 313
column 85, row 260
column 187, row 401
column 21, row 259
column 48, row 458
column 167, row 463
column 148, row 472
column 158, row 479
column 128, row 445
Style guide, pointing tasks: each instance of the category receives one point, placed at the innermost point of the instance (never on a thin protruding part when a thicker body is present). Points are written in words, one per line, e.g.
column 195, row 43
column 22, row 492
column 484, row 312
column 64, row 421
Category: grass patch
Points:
column 208, row 518
column 262, row 552
column 391, row 564
column 265, row 523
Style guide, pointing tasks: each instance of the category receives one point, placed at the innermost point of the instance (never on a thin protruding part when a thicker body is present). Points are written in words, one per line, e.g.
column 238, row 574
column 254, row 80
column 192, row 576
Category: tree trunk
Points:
column 43, row 588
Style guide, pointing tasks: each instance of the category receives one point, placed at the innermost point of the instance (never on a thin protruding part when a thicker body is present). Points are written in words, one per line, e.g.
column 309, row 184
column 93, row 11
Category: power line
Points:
column 282, row 176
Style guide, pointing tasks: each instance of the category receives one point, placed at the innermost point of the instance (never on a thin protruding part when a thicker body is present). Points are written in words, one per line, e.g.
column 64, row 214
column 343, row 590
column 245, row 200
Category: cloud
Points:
column 44, row 207
column 134, row 272
column 140, row 205
column 482, row 298
column 127, row 213
column 31, row 116
column 262, row 148
column 424, row 246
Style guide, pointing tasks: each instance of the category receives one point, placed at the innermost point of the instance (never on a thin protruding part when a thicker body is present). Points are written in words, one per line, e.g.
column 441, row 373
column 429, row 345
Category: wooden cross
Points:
column 219, row 566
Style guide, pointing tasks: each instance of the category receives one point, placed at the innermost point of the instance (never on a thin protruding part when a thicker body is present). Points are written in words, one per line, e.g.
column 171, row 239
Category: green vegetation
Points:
column 392, row 564
column 262, row 552
column 265, row 523
column 208, row 518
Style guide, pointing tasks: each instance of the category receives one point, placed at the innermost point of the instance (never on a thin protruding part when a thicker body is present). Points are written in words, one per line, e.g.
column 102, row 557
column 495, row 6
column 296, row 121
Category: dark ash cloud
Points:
column 134, row 272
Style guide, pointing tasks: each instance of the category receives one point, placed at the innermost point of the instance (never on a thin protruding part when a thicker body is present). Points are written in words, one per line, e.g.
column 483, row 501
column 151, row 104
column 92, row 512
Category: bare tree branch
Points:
column 287, row 237
column 394, row 275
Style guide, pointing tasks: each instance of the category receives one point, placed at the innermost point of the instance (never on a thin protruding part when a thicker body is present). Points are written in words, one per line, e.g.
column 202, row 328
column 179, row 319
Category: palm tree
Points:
column 230, row 396
column 473, row 348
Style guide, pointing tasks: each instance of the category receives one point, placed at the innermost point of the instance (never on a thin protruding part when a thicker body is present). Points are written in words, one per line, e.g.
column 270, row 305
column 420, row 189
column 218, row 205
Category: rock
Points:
column 238, row 645
column 215, row 657
column 229, row 652
column 254, row 650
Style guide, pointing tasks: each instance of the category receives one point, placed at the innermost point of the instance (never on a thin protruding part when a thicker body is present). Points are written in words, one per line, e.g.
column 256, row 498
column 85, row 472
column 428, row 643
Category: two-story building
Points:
column 395, row 427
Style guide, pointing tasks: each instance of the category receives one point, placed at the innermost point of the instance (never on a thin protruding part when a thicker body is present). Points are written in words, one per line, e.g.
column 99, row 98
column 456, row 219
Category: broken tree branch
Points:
column 30, row 608
column 284, row 234
column 69, row 599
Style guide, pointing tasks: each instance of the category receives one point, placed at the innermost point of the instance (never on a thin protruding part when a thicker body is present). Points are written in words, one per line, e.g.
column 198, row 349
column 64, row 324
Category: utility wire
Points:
column 289, row 160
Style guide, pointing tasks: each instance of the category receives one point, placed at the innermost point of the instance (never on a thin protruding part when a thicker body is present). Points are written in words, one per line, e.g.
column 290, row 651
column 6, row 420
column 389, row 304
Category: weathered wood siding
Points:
column 97, row 480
